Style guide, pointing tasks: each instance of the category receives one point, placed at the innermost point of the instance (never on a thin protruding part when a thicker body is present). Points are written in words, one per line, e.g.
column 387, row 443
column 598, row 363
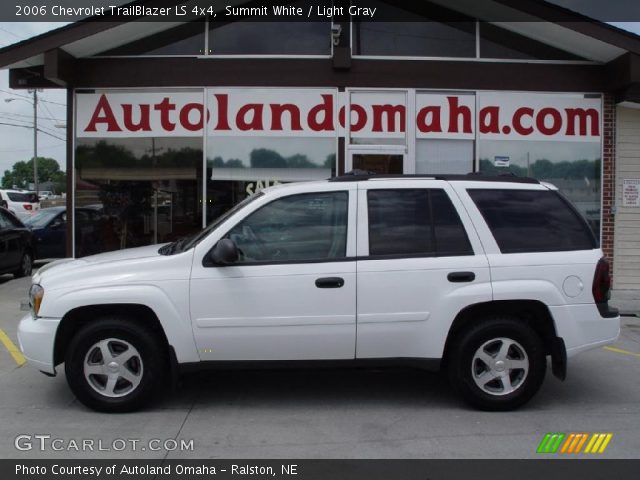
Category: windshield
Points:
column 41, row 219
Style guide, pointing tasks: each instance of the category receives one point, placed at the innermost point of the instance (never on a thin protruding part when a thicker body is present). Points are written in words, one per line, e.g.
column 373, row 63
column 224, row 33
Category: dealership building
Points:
column 172, row 123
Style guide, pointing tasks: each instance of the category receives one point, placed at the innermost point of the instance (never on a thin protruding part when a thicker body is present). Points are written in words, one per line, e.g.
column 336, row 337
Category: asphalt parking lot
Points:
column 319, row 414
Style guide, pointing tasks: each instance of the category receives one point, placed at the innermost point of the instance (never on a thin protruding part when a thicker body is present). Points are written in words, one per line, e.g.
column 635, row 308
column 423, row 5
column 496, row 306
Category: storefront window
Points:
column 260, row 137
column 238, row 167
column 185, row 39
column 426, row 32
column 496, row 42
column 253, row 36
column 575, row 168
column 147, row 191
column 414, row 39
column 270, row 38
column 554, row 138
column 440, row 156
column 143, row 157
column 378, row 117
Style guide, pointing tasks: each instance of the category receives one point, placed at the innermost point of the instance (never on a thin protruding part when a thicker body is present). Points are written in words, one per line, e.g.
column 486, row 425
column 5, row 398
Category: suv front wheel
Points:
column 115, row 365
column 499, row 364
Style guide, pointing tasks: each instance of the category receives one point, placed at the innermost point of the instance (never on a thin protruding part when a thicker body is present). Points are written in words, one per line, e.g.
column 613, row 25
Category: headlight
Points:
column 36, row 293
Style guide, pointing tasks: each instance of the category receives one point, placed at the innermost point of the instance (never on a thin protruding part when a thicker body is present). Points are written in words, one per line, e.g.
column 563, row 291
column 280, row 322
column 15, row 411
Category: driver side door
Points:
column 292, row 293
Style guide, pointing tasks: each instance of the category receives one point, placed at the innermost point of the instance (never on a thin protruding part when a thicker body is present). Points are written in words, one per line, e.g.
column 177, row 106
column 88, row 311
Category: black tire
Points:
column 152, row 365
column 463, row 369
column 26, row 266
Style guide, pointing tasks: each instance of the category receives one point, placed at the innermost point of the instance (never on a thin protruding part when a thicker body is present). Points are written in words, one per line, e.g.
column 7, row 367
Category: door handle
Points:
column 330, row 282
column 461, row 277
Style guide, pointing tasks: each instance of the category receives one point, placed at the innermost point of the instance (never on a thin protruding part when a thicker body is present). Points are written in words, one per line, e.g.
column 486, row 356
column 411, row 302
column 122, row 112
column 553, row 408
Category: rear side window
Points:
column 22, row 197
column 415, row 222
column 533, row 221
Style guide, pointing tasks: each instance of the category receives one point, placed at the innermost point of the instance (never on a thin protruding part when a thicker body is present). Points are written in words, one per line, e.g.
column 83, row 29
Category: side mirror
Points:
column 225, row 252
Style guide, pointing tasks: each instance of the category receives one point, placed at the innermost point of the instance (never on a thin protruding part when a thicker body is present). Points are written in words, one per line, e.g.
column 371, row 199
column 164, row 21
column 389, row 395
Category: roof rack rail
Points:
column 364, row 175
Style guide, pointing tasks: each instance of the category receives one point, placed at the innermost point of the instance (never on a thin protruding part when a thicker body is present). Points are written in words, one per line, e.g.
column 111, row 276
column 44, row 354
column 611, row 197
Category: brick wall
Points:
column 608, row 175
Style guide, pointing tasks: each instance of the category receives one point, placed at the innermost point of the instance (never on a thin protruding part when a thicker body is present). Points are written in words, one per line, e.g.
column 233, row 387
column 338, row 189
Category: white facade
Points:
column 626, row 259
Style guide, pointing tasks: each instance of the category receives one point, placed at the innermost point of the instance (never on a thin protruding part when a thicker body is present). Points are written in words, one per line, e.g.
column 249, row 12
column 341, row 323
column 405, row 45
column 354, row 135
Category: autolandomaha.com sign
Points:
column 323, row 112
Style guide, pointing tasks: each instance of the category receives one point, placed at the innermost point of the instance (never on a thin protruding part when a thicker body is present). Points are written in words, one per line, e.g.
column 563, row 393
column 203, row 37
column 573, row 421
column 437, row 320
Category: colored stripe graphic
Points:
column 550, row 443
column 574, row 443
column 598, row 443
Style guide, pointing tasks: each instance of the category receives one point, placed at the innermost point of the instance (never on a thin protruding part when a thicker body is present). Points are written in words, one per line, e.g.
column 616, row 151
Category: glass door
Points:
column 376, row 162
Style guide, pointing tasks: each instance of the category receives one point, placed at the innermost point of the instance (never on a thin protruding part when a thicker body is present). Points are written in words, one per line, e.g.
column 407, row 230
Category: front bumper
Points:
column 583, row 328
column 37, row 340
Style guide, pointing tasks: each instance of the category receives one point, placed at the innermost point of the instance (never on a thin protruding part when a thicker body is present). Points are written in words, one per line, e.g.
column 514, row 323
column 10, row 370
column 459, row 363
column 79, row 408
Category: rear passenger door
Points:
column 419, row 263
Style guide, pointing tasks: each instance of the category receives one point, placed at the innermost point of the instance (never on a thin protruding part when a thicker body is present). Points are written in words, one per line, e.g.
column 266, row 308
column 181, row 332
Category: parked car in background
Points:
column 49, row 228
column 22, row 204
column 45, row 195
column 16, row 246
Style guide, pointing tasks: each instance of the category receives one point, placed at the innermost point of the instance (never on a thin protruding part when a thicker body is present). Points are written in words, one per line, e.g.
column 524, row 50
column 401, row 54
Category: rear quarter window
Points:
column 524, row 221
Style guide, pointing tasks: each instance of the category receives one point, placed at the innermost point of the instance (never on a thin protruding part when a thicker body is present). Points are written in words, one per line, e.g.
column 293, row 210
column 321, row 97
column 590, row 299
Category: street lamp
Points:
column 35, row 134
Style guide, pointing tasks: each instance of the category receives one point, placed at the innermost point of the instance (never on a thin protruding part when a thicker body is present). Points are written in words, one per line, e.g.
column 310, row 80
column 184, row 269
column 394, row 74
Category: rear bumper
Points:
column 583, row 328
column 37, row 339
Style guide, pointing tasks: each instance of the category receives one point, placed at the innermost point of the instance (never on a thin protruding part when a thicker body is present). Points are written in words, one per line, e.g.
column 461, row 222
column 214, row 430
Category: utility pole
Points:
column 35, row 134
column 35, row 142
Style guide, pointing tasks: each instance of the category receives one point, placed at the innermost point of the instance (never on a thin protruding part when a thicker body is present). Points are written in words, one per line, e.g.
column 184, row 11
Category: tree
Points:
column 21, row 174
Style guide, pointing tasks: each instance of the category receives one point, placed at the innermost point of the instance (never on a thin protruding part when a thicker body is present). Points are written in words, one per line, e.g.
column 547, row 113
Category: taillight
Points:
column 601, row 282
column 27, row 206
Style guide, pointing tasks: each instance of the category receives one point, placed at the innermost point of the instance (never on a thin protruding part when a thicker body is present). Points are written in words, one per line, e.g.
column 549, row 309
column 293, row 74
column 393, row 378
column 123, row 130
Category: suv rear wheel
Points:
column 499, row 364
column 115, row 365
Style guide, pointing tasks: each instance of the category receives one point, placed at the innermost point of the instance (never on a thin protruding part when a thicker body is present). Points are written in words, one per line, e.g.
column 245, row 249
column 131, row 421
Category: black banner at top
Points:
column 319, row 10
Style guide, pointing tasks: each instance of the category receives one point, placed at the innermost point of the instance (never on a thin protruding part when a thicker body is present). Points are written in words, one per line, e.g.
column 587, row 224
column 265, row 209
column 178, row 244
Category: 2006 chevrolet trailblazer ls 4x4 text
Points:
column 483, row 277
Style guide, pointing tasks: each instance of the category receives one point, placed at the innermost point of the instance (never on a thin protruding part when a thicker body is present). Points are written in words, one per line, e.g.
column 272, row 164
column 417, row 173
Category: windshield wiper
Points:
column 174, row 247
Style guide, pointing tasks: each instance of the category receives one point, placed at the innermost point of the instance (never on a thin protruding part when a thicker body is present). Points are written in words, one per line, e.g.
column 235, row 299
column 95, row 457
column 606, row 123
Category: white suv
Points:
column 481, row 277
column 22, row 204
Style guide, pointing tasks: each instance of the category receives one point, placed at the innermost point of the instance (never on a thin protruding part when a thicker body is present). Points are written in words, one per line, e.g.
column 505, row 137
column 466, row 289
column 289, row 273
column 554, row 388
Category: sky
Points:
column 16, row 141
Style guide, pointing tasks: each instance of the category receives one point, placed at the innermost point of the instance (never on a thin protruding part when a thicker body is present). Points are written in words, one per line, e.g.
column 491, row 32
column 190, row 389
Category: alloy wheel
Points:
column 500, row 366
column 113, row 367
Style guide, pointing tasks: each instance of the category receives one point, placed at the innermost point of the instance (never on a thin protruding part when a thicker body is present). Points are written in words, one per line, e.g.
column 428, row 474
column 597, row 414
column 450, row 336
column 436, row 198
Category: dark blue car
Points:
column 49, row 228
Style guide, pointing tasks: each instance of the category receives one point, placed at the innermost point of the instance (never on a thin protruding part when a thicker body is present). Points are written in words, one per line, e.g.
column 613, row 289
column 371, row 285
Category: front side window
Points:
column 415, row 222
column 298, row 228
